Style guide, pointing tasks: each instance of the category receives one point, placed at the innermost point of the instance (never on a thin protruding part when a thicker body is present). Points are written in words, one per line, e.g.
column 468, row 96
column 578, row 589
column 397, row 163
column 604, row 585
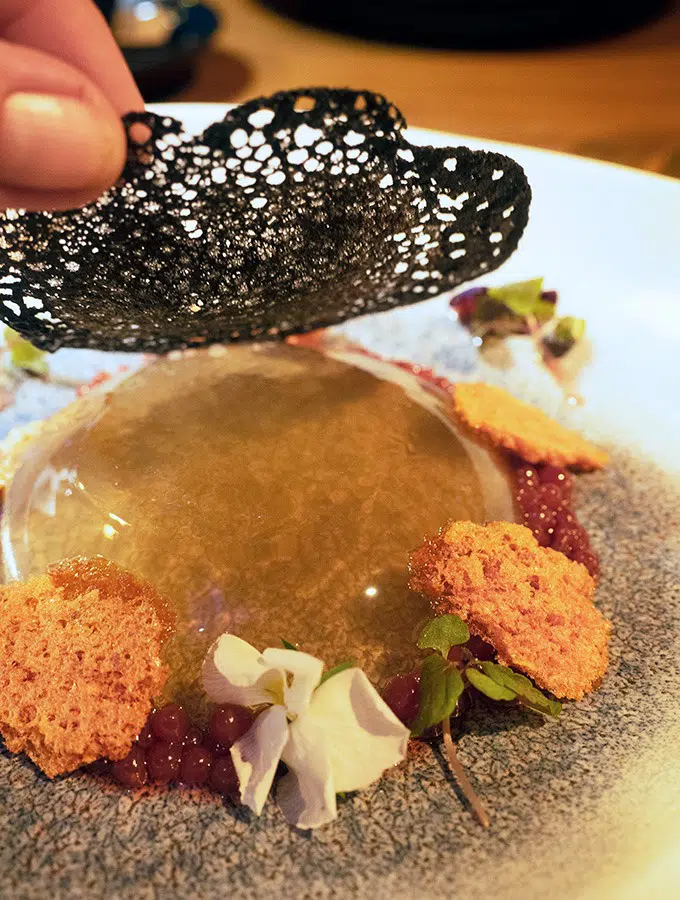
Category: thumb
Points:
column 61, row 142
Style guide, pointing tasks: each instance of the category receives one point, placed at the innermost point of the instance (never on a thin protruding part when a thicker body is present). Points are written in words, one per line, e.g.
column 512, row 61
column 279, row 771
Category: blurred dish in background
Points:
column 471, row 25
column 144, row 23
column 162, row 41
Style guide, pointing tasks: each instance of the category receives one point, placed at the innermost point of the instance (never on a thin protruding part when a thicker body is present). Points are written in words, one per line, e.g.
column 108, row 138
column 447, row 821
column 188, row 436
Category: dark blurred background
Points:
column 585, row 76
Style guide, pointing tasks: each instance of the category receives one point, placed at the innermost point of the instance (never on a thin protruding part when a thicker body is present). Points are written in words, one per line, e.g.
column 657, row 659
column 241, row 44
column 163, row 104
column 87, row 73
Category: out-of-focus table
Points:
column 617, row 100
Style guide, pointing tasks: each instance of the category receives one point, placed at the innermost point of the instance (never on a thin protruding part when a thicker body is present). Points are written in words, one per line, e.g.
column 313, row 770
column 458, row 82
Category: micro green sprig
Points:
column 443, row 680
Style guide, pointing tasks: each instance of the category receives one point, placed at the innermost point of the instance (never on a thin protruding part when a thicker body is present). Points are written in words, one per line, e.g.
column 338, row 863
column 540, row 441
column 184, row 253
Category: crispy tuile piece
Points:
column 523, row 429
column 531, row 603
column 80, row 661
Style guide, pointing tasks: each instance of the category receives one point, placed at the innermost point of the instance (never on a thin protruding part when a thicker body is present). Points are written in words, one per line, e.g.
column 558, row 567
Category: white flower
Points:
column 336, row 736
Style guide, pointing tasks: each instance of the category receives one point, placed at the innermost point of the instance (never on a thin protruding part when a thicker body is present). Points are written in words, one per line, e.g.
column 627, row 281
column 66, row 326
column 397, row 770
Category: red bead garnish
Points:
column 223, row 777
column 162, row 761
column 542, row 523
column 131, row 770
column 565, row 519
column 99, row 378
column 146, row 737
column 455, row 654
column 526, row 477
column 464, row 705
column 544, row 496
column 568, row 540
column 170, row 723
column 100, row 767
column 195, row 765
column 589, row 559
column 215, row 747
column 550, row 496
column 228, row 723
column 559, row 477
column 402, row 695
column 480, row 649
column 194, row 737
column 427, row 376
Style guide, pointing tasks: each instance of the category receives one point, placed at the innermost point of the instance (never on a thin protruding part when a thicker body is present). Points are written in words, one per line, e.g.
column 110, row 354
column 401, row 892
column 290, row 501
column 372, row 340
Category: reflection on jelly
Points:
column 271, row 492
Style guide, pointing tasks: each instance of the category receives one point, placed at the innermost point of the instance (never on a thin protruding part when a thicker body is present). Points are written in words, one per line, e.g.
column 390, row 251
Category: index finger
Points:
column 76, row 32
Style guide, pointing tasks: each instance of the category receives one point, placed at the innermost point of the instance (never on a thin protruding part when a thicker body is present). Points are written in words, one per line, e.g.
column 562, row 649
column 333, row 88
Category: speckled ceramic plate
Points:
column 584, row 807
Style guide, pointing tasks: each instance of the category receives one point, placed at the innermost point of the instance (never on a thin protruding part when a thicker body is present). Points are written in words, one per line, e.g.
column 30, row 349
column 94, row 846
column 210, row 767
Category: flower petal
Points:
column 363, row 735
column 235, row 672
column 306, row 671
column 256, row 756
column 306, row 794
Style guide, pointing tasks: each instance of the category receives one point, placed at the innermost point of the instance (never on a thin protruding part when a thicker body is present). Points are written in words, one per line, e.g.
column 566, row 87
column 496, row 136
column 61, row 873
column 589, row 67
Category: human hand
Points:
column 64, row 86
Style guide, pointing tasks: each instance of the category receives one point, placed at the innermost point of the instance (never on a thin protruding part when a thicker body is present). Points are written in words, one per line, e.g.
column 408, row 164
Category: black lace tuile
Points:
column 295, row 212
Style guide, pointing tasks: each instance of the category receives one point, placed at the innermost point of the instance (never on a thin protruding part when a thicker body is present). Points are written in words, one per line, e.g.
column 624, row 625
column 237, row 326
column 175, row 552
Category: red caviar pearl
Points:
column 402, row 695
column 195, row 765
column 229, row 722
column 146, row 737
column 170, row 723
column 131, row 770
column 223, row 777
column 162, row 761
column 194, row 737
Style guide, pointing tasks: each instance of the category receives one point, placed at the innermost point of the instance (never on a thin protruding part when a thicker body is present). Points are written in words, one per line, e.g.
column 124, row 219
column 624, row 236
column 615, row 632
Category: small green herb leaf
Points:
column 527, row 694
column 543, row 311
column 347, row 664
column 287, row 645
column 442, row 633
column 488, row 686
column 570, row 330
column 440, row 688
column 24, row 355
column 521, row 298
column 564, row 336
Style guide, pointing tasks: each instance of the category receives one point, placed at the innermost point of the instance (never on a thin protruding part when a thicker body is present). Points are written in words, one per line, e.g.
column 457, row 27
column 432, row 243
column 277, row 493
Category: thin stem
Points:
column 461, row 777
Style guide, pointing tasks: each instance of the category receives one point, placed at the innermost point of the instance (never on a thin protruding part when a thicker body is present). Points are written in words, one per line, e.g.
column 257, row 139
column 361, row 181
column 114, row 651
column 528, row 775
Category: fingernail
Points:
column 57, row 143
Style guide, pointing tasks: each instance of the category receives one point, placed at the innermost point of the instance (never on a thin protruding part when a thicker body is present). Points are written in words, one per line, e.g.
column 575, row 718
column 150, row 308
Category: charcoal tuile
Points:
column 295, row 212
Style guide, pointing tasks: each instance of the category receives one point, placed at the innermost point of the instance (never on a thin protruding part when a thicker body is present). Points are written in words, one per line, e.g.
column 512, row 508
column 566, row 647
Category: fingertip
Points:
column 59, row 145
column 45, row 201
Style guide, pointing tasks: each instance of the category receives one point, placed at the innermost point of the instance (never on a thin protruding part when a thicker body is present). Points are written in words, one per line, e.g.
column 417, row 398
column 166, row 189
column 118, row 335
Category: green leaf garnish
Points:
column 287, row 645
column 543, row 311
column 442, row 633
column 569, row 330
column 522, row 298
column 347, row 664
column 526, row 692
column 23, row 355
column 441, row 685
column 488, row 686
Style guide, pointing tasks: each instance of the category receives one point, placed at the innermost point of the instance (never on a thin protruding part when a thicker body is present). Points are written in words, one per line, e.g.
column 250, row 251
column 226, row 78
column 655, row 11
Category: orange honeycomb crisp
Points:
column 531, row 603
column 523, row 429
column 80, row 661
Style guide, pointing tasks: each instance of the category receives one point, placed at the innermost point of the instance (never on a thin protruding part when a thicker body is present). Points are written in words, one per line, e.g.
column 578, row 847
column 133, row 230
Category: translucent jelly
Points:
column 269, row 491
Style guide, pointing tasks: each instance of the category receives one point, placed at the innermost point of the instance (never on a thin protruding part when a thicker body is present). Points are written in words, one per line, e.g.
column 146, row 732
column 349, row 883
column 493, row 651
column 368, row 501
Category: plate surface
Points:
column 585, row 807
